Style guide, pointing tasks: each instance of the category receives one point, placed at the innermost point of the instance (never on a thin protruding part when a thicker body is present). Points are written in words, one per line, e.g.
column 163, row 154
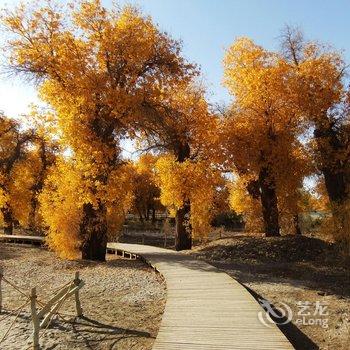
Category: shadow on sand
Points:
column 84, row 327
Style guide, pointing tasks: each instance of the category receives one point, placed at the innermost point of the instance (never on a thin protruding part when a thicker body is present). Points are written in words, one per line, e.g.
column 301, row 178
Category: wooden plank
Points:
column 206, row 309
column 57, row 305
column 34, row 240
column 47, row 307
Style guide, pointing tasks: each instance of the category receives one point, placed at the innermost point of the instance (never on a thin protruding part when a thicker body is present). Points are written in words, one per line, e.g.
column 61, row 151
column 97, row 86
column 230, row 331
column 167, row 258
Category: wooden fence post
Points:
column 35, row 319
column 77, row 300
column 1, row 274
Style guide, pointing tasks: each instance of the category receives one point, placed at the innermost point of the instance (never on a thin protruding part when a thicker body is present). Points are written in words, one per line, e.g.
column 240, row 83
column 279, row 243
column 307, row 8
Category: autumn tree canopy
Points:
column 16, row 173
column 323, row 99
column 279, row 99
column 181, row 126
column 146, row 191
column 260, row 134
column 108, row 74
column 94, row 67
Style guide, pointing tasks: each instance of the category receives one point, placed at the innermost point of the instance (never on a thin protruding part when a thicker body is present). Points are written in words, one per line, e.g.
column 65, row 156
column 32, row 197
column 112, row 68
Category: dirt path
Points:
column 123, row 301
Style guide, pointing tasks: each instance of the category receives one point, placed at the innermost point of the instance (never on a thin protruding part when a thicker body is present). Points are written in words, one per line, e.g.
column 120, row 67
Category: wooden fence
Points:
column 42, row 313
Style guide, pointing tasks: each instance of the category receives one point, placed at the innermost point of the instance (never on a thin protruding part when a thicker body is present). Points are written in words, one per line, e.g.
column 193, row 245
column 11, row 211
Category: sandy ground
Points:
column 123, row 301
column 292, row 270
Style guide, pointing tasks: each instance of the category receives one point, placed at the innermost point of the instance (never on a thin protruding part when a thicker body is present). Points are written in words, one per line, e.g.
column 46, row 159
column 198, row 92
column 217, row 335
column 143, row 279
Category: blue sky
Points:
column 207, row 27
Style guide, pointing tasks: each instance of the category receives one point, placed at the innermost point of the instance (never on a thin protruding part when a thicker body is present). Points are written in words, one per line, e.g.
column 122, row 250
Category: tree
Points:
column 94, row 68
column 181, row 125
column 261, row 129
column 246, row 205
column 41, row 157
column 324, row 104
column 192, row 182
column 15, row 179
column 146, row 192
column 62, row 202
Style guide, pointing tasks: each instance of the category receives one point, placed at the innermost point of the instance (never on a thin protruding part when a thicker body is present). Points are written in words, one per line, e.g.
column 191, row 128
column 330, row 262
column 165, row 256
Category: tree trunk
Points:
column 339, row 199
column 335, row 184
column 183, row 229
column 93, row 229
column 183, row 237
column 269, row 205
column 38, row 186
column 334, row 169
column 153, row 216
column 8, row 220
column 140, row 214
column 297, row 225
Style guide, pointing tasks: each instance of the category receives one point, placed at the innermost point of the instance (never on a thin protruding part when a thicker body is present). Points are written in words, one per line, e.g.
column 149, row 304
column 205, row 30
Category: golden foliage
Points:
column 18, row 168
column 242, row 203
column 63, row 198
column 60, row 205
column 195, row 182
column 95, row 68
column 262, row 128
column 119, row 197
column 145, row 189
column 110, row 73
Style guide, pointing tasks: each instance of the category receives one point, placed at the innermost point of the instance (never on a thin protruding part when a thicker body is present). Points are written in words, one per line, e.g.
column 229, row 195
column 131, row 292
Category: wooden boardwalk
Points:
column 205, row 308
column 34, row 240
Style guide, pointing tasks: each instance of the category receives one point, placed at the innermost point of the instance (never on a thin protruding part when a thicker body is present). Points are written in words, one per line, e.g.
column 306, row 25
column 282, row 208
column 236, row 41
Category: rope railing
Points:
column 42, row 313
column 13, row 322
